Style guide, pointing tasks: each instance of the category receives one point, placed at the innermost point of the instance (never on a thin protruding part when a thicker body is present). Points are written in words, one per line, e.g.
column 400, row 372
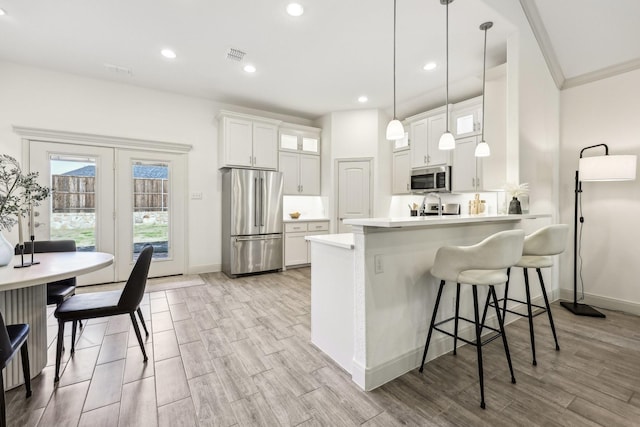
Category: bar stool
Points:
column 537, row 251
column 483, row 264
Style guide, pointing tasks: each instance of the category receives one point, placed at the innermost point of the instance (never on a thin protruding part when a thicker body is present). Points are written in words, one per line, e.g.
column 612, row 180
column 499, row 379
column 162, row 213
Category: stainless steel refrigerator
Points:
column 251, row 221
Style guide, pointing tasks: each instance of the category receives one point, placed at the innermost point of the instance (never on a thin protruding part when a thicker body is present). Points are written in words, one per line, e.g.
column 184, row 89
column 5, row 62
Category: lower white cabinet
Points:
column 296, row 248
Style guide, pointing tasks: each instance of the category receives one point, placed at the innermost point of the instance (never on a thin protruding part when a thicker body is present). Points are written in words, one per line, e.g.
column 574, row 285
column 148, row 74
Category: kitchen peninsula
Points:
column 372, row 295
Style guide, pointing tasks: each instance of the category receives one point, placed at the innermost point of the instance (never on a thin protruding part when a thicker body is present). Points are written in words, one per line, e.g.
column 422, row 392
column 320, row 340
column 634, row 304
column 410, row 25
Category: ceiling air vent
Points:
column 124, row 71
column 235, row 54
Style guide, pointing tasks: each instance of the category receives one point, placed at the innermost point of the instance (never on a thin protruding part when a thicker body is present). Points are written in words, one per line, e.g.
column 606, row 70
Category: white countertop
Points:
column 344, row 240
column 425, row 221
column 305, row 219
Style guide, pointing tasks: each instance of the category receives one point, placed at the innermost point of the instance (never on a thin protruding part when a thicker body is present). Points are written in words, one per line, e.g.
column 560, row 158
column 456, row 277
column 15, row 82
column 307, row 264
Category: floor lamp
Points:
column 597, row 168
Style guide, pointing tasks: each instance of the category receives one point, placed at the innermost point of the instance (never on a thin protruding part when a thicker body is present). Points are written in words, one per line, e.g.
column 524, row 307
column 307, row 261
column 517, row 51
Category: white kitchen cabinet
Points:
column 402, row 143
column 298, row 138
column 467, row 168
column 425, row 131
column 297, row 251
column 247, row 141
column 301, row 173
column 466, row 118
column 401, row 172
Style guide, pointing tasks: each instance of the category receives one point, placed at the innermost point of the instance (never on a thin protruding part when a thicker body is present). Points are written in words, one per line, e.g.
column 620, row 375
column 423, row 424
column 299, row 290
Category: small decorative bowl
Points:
column 294, row 215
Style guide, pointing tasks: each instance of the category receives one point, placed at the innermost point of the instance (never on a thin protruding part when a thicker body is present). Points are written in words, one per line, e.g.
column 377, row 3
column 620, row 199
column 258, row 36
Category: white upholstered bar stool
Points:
column 483, row 264
column 537, row 251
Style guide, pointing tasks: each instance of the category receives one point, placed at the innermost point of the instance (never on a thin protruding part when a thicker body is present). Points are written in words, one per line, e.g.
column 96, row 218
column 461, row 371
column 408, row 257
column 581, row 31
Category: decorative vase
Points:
column 514, row 206
column 6, row 251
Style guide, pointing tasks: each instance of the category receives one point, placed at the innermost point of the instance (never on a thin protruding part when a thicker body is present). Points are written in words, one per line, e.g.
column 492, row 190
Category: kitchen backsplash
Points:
column 399, row 204
column 310, row 207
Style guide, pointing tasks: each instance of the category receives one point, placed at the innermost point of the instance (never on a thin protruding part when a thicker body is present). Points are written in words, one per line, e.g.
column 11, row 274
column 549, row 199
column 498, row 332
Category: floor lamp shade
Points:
column 608, row 168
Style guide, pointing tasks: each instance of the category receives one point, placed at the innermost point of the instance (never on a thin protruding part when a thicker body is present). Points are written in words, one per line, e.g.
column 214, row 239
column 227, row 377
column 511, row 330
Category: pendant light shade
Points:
column 447, row 141
column 482, row 149
column 395, row 130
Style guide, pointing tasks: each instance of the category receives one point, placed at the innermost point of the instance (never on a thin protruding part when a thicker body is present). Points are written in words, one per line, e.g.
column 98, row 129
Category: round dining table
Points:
column 23, row 299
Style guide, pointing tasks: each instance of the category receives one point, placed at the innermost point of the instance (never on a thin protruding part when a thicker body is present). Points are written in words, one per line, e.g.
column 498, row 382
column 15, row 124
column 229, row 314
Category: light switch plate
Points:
column 196, row 195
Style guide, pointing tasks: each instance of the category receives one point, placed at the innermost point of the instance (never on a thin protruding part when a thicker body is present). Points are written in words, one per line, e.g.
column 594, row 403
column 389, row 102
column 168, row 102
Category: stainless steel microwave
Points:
column 435, row 178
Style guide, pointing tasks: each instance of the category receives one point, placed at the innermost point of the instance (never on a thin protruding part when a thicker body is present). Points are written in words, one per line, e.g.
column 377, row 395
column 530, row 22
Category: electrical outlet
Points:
column 377, row 259
column 196, row 195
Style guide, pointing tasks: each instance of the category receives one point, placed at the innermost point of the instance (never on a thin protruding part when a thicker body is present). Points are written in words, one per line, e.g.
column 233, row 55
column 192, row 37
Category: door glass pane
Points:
column 288, row 142
column 464, row 124
column 73, row 200
column 151, row 208
column 310, row 144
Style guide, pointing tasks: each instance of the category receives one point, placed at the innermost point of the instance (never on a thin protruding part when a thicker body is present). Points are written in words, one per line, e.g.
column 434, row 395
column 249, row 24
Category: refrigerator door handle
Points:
column 262, row 202
column 255, row 202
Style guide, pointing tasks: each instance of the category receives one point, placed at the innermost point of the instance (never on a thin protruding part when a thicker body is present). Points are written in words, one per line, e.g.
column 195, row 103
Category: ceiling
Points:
column 310, row 65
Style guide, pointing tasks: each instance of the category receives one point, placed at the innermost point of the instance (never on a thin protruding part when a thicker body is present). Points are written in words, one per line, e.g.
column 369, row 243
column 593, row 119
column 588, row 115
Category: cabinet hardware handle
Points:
column 301, row 188
column 251, row 160
column 425, row 159
column 407, row 186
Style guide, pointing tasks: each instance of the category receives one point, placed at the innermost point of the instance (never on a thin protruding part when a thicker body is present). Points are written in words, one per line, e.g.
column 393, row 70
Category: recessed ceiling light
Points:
column 2, row 12
column 430, row 66
column 249, row 68
column 362, row 99
column 168, row 53
column 295, row 9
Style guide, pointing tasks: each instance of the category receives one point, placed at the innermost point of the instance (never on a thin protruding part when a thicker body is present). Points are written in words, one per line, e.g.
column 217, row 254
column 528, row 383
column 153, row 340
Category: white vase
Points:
column 6, row 251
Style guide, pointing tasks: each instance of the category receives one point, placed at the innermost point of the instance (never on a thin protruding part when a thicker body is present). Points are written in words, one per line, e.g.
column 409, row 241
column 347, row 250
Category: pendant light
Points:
column 482, row 149
column 447, row 141
column 395, row 130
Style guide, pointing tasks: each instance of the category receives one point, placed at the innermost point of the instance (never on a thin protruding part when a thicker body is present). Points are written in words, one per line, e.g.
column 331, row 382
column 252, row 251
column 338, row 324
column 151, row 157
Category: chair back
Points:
column 134, row 289
column 6, row 351
column 549, row 240
column 500, row 250
column 43, row 246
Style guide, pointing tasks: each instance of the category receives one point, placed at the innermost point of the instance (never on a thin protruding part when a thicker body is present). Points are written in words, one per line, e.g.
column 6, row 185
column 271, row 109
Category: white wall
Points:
column 603, row 112
column 40, row 98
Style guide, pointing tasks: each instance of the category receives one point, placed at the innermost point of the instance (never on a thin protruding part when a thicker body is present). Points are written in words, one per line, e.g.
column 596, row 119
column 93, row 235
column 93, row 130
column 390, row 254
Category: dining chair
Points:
column 12, row 338
column 104, row 304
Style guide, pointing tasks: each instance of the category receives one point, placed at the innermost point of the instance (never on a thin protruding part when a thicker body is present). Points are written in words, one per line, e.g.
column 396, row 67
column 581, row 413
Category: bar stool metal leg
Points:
column 455, row 322
column 506, row 295
column 528, row 292
column 546, row 304
column 478, row 344
column 492, row 291
column 433, row 321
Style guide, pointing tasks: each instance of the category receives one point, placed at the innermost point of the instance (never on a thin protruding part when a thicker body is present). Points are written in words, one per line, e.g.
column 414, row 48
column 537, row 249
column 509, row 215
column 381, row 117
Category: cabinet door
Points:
column 295, row 249
column 237, row 140
column 464, row 165
column 289, row 166
column 467, row 121
column 265, row 146
column 309, row 174
column 419, row 137
column 437, row 126
column 401, row 173
column 310, row 144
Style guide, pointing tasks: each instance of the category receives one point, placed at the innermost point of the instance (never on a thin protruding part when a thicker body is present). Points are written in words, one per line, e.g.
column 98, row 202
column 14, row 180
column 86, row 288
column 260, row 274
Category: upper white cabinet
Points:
column 401, row 183
column 467, row 168
column 401, row 144
column 425, row 131
column 466, row 118
column 299, row 159
column 247, row 141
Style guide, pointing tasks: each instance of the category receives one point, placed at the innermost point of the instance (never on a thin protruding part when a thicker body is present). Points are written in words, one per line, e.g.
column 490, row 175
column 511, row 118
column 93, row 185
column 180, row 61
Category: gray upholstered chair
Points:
column 483, row 264
column 104, row 304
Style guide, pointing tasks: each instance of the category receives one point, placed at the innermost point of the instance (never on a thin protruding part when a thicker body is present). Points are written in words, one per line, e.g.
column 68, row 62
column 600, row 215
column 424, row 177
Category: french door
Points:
column 113, row 200
column 81, row 206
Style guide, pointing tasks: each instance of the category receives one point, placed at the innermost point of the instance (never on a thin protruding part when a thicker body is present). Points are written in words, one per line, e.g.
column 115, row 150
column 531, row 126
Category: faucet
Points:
column 423, row 206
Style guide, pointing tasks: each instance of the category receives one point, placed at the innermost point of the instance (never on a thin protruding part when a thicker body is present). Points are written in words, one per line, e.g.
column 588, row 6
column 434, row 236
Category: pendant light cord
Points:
column 394, row 60
column 446, row 103
column 484, row 79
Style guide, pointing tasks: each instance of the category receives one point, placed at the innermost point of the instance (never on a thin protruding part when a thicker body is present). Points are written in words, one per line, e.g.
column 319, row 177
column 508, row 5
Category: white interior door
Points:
column 81, row 206
column 151, row 200
column 354, row 191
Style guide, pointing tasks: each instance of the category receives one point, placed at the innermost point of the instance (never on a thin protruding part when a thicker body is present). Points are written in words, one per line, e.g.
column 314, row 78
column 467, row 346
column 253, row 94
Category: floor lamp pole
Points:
column 574, row 307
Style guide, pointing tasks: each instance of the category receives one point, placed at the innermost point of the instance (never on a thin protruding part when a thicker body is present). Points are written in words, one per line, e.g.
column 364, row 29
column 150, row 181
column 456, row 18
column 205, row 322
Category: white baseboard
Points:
column 204, row 268
column 598, row 301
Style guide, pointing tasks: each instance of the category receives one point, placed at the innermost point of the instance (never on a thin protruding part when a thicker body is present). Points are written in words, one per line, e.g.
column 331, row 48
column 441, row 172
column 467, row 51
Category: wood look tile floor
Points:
column 237, row 353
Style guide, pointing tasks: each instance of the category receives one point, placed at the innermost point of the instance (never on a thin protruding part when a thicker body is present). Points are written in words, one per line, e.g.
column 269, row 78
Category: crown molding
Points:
column 603, row 73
